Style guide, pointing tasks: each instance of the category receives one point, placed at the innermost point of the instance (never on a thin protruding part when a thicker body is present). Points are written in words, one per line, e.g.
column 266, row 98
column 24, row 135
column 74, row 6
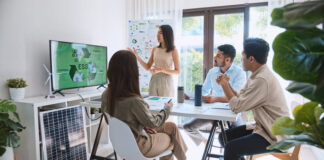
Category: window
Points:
column 191, row 54
column 203, row 30
column 229, row 29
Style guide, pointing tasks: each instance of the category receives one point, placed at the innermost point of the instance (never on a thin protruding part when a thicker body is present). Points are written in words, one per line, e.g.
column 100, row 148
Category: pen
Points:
column 170, row 100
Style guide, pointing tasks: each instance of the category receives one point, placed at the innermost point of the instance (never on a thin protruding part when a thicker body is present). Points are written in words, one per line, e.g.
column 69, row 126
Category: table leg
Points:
column 210, row 141
column 223, row 132
column 209, row 144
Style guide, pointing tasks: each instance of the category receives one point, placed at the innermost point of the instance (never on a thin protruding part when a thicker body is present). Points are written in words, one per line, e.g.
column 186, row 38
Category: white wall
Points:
column 26, row 26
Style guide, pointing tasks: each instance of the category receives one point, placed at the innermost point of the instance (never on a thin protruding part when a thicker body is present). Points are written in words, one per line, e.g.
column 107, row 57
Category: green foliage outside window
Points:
column 224, row 24
column 191, row 69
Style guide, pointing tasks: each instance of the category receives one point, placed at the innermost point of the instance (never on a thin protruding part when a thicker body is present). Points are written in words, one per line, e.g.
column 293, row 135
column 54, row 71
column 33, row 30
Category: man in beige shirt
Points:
column 262, row 94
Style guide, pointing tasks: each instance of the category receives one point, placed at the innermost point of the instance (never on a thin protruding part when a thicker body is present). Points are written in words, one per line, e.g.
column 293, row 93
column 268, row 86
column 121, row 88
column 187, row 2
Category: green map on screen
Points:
column 77, row 65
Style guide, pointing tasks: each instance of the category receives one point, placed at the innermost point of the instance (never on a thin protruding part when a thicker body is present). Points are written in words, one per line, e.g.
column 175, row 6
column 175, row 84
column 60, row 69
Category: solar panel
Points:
column 63, row 134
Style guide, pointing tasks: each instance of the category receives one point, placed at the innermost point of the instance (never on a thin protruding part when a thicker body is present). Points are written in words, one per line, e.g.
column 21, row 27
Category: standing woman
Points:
column 122, row 100
column 161, row 62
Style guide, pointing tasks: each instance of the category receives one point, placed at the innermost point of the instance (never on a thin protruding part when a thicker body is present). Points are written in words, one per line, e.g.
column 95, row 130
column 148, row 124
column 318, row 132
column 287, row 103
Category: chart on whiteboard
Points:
column 142, row 35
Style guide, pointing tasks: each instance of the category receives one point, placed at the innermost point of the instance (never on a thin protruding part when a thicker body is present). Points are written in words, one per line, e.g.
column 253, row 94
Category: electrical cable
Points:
column 88, row 115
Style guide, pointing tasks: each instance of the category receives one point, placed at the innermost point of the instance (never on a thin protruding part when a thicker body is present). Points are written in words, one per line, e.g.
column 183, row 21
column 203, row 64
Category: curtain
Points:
column 156, row 10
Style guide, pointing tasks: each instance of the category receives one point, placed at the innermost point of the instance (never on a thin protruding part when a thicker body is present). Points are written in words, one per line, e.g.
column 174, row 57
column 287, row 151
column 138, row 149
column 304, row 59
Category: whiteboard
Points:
column 142, row 35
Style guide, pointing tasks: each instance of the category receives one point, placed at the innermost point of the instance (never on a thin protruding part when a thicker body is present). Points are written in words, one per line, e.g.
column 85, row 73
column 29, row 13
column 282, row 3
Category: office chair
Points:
column 124, row 142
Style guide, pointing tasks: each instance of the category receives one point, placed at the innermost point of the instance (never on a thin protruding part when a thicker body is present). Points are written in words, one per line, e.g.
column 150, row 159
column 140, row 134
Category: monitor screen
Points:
column 76, row 65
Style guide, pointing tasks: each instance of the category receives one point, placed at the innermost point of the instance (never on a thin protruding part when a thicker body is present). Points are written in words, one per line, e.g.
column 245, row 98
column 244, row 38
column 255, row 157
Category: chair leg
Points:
column 295, row 153
column 115, row 155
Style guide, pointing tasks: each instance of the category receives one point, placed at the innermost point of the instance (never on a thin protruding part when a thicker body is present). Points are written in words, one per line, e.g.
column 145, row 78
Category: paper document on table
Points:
column 220, row 106
column 157, row 103
column 190, row 109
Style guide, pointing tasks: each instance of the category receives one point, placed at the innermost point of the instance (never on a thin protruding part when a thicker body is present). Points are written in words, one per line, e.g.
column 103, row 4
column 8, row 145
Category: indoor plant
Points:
column 16, row 88
column 299, row 57
column 93, row 112
column 9, row 127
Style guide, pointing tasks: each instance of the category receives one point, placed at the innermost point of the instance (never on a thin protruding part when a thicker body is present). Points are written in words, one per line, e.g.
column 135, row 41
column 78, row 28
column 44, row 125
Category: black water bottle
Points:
column 198, row 94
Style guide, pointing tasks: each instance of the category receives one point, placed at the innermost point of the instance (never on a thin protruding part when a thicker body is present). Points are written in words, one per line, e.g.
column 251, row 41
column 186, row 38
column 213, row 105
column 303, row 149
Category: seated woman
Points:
column 123, row 100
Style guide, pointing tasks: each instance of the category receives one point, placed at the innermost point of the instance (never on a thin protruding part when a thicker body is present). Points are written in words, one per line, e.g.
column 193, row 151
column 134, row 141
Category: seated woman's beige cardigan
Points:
column 134, row 111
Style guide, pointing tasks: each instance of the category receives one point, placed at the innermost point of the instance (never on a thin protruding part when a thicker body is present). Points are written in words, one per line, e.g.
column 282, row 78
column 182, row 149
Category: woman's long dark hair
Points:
column 123, row 78
column 167, row 37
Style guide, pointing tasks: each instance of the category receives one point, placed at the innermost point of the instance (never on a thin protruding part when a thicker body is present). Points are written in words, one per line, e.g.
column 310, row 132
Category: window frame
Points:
column 208, row 14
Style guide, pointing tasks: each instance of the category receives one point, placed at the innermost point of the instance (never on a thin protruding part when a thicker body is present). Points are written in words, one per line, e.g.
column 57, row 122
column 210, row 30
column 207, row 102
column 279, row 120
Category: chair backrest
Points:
column 123, row 140
column 107, row 117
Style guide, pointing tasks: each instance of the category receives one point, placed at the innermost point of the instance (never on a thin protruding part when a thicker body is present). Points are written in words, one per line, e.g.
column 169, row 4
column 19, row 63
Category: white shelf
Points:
column 42, row 101
column 28, row 110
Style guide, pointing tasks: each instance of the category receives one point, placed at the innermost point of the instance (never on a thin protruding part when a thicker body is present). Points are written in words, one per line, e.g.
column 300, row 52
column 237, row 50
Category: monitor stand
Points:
column 101, row 86
column 59, row 91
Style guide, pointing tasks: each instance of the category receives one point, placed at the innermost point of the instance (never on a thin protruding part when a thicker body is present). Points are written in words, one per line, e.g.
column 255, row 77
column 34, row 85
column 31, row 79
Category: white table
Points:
column 219, row 112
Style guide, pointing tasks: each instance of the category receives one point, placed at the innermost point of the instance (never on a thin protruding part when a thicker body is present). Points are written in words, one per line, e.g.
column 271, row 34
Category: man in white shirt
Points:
column 213, row 92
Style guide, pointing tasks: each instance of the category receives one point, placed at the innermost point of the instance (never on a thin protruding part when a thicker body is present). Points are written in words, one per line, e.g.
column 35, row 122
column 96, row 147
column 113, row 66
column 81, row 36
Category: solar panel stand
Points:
column 96, row 142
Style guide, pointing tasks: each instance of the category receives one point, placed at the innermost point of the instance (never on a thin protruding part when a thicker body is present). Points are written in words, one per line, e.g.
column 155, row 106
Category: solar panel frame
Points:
column 67, row 126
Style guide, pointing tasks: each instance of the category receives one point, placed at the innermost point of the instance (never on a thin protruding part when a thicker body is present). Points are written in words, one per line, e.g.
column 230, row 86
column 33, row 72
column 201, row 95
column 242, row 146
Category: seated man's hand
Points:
column 219, row 78
column 209, row 99
column 150, row 130
column 222, row 79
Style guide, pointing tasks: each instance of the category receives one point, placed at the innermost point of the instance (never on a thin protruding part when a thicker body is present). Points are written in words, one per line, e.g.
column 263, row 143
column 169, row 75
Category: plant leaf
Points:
column 299, row 55
column 306, row 114
column 7, row 106
column 284, row 126
column 294, row 141
column 12, row 107
column 17, row 116
column 319, row 93
column 299, row 15
column 296, row 109
column 317, row 113
column 2, row 150
column 13, row 140
column 4, row 116
column 321, row 127
column 305, row 89
column 16, row 126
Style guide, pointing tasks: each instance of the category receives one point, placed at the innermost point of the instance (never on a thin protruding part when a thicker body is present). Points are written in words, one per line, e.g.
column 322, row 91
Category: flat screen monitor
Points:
column 75, row 65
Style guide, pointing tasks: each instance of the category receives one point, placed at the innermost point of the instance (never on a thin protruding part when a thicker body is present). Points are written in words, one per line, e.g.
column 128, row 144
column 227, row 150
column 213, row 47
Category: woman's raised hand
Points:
column 134, row 51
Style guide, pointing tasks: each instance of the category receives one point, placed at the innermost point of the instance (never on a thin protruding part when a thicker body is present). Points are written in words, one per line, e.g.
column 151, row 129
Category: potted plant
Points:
column 16, row 88
column 299, row 57
column 9, row 128
column 93, row 112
